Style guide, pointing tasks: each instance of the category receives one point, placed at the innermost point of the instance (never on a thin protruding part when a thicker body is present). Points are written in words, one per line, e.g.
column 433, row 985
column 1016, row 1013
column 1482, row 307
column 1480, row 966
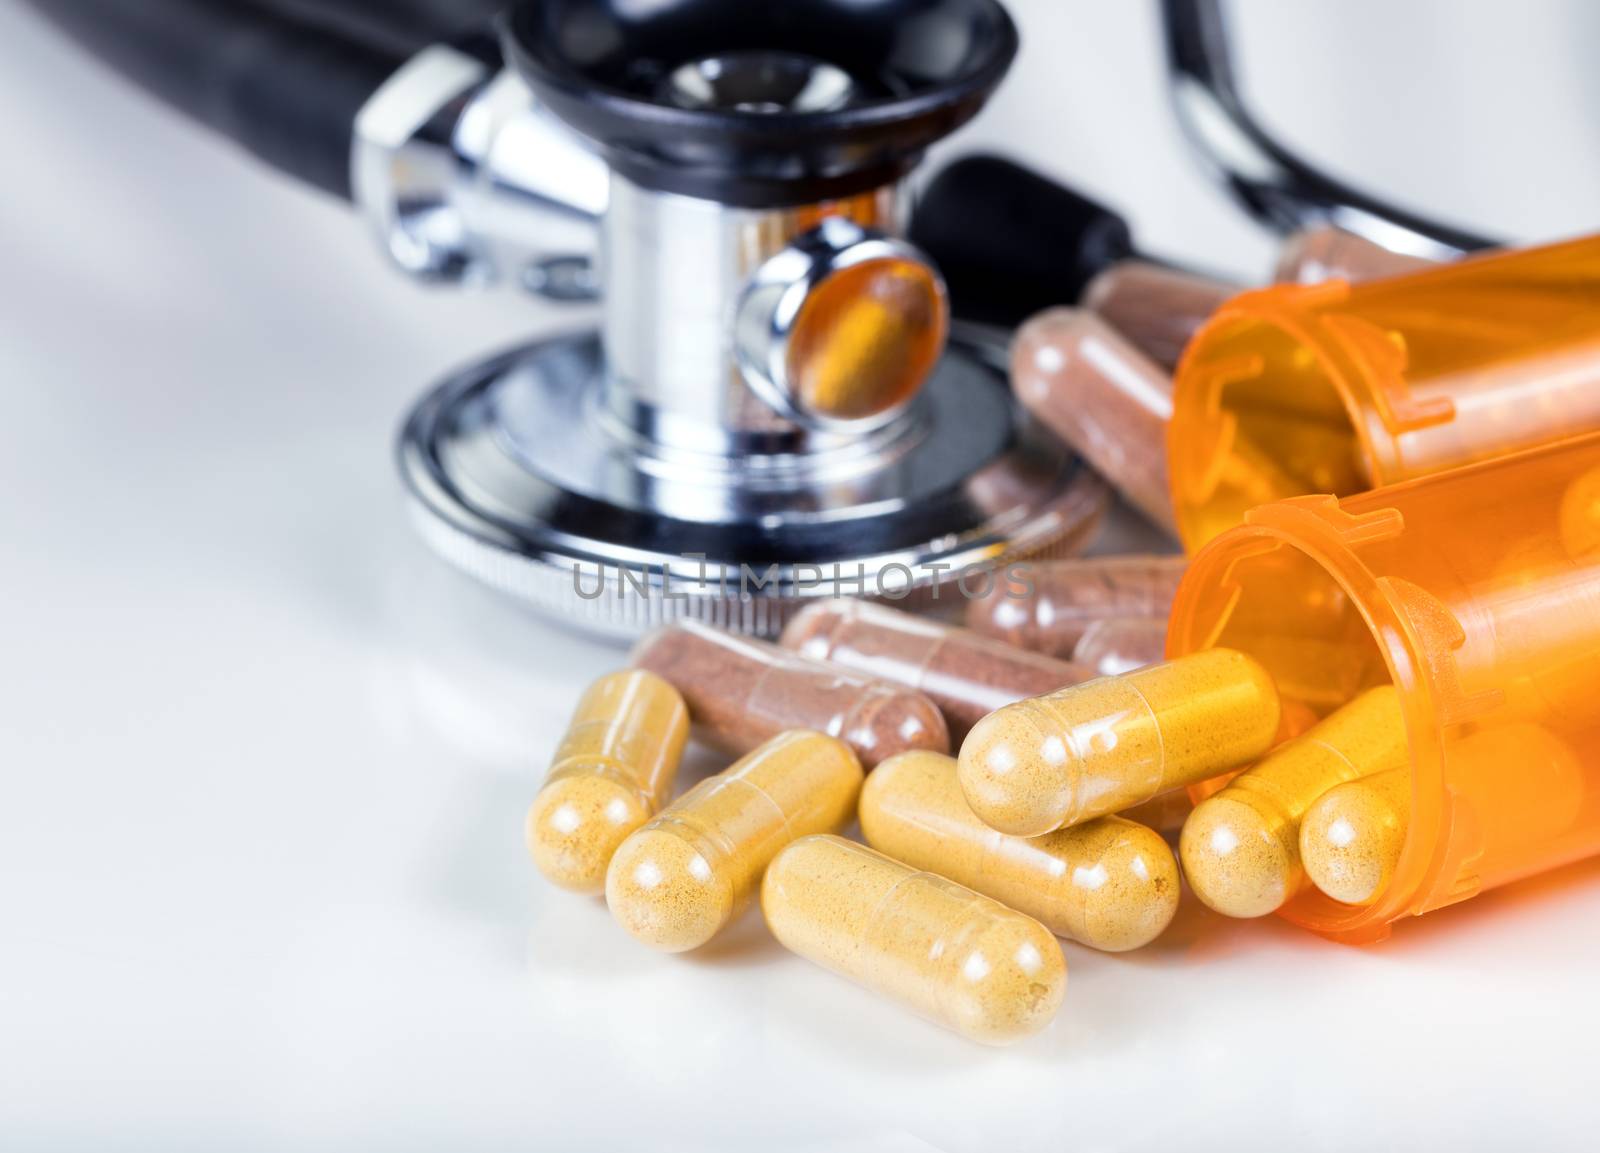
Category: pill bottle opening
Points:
column 1284, row 589
column 1267, row 404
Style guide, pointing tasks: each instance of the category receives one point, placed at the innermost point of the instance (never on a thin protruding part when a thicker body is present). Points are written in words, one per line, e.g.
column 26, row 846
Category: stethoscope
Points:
column 777, row 402
column 1273, row 184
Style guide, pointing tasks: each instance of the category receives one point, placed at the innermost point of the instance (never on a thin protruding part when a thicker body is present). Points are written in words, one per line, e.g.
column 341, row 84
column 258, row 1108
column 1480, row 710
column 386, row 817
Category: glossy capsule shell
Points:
column 1105, row 398
column 968, row 675
column 1157, row 308
column 1352, row 836
column 1314, row 255
column 1115, row 742
column 612, row 771
column 1108, row 883
column 951, row 955
column 1121, row 645
column 742, row 691
column 1241, row 846
column 1049, row 606
column 691, row 870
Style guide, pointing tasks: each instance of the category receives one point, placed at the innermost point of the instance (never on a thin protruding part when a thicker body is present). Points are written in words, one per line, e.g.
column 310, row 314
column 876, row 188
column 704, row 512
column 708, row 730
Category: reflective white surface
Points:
column 265, row 762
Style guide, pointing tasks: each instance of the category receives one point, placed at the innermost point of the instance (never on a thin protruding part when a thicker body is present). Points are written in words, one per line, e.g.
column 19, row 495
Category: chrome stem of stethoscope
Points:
column 1273, row 184
column 763, row 415
column 466, row 179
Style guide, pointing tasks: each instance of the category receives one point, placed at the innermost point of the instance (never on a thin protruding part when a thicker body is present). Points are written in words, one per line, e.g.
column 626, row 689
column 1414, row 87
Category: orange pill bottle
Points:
column 1341, row 387
column 1476, row 593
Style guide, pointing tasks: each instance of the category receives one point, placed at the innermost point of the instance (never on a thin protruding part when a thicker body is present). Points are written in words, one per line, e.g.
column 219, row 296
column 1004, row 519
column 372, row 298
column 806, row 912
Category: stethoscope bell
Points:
column 769, row 411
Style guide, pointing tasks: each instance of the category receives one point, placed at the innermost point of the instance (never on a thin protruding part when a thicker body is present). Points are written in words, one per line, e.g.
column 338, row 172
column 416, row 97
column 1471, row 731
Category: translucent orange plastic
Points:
column 866, row 338
column 1340, row 388
column 1476, row 593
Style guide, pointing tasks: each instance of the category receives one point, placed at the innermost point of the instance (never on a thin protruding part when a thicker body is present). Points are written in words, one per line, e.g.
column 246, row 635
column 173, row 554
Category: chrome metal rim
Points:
column 515, row 477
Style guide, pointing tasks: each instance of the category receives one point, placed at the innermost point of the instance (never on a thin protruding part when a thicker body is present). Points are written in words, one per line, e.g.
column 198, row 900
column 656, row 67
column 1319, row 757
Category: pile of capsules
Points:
column 1049, row 822
column 1077, row 747
column 1100, row 376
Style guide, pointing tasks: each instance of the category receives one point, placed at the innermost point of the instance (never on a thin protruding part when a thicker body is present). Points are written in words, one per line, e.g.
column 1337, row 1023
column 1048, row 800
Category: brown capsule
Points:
column 1121, row 644
column 1048, row 606
column 1110, row 884
column 692, row 869
column 611, row 772
column 742, row 692
column 1104, row 397
column 966, row 674
column 1157, row 308
column 951, row 955
column 1313, row 255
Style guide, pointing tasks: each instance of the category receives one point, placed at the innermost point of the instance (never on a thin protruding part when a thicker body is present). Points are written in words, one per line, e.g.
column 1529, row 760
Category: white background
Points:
column 265, row 761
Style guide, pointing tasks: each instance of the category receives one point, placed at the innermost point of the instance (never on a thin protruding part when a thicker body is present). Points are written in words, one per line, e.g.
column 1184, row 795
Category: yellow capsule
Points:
column 611, row 772
column 1111, row 743
column 951, row 955
column 1241, row 847
column 678, row 880
column 1351, row 837
column 1108, row 883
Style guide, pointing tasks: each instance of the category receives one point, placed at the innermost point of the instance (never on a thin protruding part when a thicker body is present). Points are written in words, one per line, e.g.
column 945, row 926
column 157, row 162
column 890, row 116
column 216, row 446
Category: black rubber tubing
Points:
column 284, row 89
column 405, row 26
column 1010, row 242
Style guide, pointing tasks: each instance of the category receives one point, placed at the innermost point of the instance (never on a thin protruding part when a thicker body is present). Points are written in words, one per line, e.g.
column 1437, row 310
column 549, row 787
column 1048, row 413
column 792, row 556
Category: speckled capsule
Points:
column 1314, row 255
column 1090, row 386
column 1050, row 606
column 1532, row 781
column 1157, row 308
column 1352, row 835
column 1115, row 742
column 968, row 675
column 1108, row 883
column 611, row 772
column 951, row 955
column 742, row 691
column 692, row 869
column 1121, row 644
column 1241, row 846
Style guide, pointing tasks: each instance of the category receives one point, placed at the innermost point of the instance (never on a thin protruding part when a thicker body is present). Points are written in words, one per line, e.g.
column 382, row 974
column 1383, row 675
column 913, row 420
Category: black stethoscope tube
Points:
column 286, row 78
column 282, row 87
column 1273, row 183
column 404, row 26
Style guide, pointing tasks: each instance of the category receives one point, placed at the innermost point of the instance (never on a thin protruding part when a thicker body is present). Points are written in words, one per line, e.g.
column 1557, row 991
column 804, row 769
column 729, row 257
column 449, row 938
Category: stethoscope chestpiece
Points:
column 768, row 412
column 762, row 105
column 799, row 120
